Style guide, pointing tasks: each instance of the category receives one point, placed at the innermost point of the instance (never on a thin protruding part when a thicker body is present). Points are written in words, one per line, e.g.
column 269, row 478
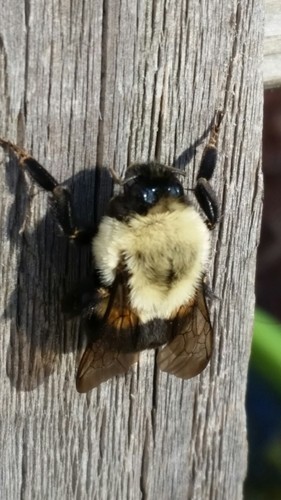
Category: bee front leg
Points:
column 204, row 193
column 60, row 199
column 208, row 202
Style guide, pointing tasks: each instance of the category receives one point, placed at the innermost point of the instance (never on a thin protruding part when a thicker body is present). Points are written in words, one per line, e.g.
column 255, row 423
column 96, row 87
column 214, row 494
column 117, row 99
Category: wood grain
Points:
column 272, row 44
column 84, row 86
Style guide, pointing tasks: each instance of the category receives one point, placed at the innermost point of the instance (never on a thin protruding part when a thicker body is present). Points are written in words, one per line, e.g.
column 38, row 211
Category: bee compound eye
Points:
column 142, row 192
column 150, row 195
column 175, row 190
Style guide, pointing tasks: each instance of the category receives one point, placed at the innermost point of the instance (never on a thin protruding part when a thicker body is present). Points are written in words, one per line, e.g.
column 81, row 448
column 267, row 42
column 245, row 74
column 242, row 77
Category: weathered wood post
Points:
column 105, row 83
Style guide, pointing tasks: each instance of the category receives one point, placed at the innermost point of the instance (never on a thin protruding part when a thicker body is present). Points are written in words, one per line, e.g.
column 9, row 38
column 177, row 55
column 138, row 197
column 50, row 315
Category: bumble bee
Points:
column 150, row 255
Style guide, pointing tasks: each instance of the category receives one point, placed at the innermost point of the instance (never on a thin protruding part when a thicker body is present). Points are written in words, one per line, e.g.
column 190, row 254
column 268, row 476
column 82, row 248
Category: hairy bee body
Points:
column 165, row 253
column 150, row 256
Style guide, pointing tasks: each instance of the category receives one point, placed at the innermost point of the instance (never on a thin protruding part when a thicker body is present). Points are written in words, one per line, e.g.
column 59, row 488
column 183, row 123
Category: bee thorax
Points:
column 165, row 255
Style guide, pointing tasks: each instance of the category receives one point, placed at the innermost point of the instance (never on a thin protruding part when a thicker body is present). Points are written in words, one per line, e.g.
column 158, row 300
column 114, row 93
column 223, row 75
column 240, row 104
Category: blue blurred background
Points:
column 264, row 384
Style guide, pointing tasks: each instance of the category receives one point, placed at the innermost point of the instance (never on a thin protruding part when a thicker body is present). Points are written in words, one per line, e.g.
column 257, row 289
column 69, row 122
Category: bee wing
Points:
column 116, row 322
column 98, row 365
column 190, row 350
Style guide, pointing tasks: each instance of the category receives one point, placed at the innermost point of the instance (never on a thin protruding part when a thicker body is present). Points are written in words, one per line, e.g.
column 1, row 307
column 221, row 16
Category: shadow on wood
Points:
column 49, row 266
column 46, row 267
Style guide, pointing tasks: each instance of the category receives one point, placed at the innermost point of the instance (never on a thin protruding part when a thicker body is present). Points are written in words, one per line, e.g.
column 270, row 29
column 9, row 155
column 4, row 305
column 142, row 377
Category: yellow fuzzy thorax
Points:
column 165, row 253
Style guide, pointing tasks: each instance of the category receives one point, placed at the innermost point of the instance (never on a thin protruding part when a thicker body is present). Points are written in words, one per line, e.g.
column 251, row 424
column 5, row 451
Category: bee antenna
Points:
column 116, row 177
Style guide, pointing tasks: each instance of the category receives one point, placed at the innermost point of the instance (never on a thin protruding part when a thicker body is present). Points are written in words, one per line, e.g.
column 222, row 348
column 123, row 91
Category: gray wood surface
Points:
column 272, row 44
column 92, row 83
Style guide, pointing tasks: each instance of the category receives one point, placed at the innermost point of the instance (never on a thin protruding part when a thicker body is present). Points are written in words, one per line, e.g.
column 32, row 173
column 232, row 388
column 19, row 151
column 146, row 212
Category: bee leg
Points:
column 208, row 202
column 60, row 199
column 203, row 191
column 80, row 299
column 61, row 205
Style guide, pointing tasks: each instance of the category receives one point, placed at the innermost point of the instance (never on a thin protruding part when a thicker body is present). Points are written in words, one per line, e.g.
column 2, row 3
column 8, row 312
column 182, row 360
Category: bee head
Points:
column 148, row 183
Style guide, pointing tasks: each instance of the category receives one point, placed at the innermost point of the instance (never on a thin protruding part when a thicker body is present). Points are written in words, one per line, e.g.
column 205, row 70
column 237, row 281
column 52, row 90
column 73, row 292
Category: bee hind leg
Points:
column 60, row 199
